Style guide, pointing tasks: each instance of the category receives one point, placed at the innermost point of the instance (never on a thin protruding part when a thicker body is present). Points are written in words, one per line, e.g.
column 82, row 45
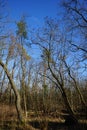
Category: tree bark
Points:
column 17, row 101
column 71, row 119
column 76, row 86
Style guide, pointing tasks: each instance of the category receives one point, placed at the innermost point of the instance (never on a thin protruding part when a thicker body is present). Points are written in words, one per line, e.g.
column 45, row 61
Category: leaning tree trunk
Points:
column 71, row 118
column 17, row 101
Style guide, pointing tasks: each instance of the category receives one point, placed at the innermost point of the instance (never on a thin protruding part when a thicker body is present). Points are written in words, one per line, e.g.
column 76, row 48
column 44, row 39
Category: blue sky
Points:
column 36, row 10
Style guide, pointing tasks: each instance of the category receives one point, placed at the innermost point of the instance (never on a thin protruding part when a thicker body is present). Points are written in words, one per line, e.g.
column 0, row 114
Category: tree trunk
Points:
column 17, row 101
column 71, row 118
column 75, row 85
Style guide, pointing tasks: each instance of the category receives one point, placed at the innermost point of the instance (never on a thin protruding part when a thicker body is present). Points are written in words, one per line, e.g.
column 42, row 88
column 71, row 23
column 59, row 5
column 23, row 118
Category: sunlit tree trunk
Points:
column 22, row 33
column 17, row 96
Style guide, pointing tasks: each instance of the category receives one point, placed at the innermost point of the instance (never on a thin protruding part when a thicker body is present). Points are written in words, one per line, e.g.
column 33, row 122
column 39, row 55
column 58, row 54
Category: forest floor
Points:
column 35, row 121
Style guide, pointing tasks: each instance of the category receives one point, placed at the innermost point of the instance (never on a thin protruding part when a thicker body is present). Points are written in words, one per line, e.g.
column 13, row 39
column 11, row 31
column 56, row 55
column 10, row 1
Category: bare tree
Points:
column 75, row 84
column 3, row 47
column 51, row 42
column 17, row 103
column 76, row 19
column 22, row 35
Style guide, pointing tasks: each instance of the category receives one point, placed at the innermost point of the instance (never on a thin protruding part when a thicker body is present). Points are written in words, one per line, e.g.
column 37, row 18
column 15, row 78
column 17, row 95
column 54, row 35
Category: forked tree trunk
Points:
column 17, row 101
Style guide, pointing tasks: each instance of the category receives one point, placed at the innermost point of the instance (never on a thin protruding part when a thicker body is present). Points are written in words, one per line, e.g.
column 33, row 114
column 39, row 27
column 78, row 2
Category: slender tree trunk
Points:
column 23, row 78
column 75, row 85
column 17, row 101
column 24, row 96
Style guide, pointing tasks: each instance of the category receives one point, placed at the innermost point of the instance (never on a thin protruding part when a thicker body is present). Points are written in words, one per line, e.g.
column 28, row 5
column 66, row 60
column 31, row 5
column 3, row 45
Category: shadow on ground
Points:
column 58, row 126
column 43, row 126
